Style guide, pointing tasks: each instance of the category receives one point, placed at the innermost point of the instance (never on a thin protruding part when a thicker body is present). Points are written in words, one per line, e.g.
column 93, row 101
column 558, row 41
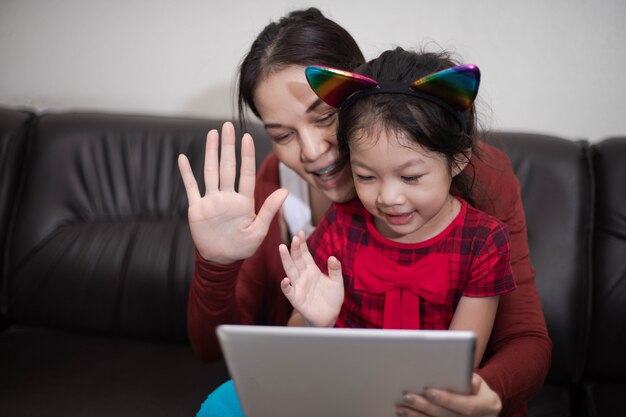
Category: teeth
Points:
column 326, row 170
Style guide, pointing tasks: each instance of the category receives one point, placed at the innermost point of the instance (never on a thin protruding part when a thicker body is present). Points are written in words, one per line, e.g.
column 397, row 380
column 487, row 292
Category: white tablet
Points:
column 312, row 372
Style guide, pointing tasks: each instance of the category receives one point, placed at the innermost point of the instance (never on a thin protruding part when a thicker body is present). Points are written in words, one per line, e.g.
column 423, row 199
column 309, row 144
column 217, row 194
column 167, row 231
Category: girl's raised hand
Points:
column 224, row 226
column 316, row 296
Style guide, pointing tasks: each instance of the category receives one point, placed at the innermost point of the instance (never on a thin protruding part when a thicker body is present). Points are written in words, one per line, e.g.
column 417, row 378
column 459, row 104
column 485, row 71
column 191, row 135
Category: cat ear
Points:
column 456, row 86
column 334, row 86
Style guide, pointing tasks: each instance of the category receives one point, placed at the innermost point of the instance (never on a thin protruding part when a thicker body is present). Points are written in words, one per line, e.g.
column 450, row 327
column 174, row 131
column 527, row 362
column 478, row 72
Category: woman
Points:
column 237, row 280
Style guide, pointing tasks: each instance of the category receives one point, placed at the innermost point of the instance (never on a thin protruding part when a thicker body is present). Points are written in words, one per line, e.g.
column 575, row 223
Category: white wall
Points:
column 550, row 66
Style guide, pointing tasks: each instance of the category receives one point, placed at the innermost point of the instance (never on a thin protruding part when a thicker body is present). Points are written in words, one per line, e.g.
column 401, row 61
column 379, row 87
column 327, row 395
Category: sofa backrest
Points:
column 607, row 350
column 14, row 127
column 101, row 241
column 555, row 179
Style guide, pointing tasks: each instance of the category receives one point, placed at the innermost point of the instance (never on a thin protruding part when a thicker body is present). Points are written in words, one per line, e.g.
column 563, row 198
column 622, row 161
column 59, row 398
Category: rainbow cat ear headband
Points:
column 454, row 88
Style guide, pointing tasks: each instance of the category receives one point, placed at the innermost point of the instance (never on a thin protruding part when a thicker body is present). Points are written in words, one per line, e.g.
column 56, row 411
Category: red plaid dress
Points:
column 412, row 286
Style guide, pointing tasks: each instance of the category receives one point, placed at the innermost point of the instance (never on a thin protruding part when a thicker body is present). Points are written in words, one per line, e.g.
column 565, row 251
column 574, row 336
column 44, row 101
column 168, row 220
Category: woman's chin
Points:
column 343, row 193
column 338, row 187
column 343, row 196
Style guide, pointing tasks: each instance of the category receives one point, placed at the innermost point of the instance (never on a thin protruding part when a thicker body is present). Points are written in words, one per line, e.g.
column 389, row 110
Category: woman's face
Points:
column 303, row 131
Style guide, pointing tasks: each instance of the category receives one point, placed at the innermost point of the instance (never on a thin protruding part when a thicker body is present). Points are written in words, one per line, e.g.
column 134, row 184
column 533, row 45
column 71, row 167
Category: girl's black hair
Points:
column 302, row 37
column 426, row 123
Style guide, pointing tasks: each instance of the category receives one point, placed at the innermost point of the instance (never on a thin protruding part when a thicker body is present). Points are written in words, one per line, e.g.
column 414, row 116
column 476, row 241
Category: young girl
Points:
column 410, row 252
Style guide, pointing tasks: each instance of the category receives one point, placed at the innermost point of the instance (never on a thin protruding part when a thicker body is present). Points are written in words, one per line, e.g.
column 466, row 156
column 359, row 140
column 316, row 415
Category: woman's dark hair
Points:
column 303, row 37
column 424, row 122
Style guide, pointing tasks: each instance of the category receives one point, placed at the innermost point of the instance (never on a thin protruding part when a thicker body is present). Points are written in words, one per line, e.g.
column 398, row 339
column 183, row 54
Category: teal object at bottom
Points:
column 223, row 402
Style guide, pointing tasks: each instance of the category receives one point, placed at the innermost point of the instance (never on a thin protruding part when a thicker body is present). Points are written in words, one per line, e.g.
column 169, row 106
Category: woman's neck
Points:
column 319, row 205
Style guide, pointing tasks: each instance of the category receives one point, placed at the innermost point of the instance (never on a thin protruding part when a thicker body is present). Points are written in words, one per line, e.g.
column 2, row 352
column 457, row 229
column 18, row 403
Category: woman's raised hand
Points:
column 224, row 225
column 317, row 297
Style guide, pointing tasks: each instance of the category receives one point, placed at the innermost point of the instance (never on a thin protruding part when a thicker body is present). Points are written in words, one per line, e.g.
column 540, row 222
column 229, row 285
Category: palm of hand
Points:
column 317, row 297
column 229, row 216
column 223, row 223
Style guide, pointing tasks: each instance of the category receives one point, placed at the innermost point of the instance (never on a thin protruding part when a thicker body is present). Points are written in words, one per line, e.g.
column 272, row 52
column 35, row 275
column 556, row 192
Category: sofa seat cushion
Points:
column 605, row 399
column 53, row 373
column 551, row 401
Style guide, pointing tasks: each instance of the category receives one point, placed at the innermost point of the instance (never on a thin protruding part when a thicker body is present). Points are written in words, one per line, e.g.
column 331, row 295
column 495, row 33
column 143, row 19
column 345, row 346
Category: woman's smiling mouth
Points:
column 332, row 175
column 329, row 171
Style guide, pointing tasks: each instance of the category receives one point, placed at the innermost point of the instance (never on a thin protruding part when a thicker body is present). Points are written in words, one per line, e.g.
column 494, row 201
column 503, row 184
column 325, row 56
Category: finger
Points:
column 484, row 402
column 418, row 405
column 288, row 264
column 191, row 186
column 296, row 253
column 288, row 290
column 211, row 166
column 304, row 250
column 269, row 209
column 408, row 412
column 476, row 382
column 247, row 175
column 228, row 164
column 334, row 270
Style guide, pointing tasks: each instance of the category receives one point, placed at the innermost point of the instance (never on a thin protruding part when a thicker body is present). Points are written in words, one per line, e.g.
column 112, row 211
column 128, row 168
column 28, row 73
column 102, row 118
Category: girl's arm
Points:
column 476, row 314
column 296, row 319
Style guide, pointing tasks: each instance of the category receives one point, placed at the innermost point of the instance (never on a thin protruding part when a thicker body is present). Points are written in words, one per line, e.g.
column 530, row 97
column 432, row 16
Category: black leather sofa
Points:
column 97, row 258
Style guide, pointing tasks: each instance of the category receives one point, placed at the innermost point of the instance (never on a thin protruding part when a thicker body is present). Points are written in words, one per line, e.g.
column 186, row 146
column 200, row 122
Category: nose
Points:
column 313, row 144
column 389, row 194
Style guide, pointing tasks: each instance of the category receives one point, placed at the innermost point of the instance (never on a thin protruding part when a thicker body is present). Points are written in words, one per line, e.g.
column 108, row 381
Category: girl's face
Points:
column 303, row 130
column 404, row 186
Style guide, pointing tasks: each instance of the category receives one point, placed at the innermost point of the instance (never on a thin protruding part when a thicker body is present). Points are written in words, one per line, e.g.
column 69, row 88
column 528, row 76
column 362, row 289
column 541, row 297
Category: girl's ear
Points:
column 460, row 161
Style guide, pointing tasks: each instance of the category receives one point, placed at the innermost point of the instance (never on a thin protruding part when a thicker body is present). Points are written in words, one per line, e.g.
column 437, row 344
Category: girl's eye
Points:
column 364, row 178
column 412, row 178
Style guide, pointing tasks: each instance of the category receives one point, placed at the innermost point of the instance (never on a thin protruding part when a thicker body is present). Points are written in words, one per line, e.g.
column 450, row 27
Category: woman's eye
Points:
column 282, row 138
column 411, row 178
column 327, row 119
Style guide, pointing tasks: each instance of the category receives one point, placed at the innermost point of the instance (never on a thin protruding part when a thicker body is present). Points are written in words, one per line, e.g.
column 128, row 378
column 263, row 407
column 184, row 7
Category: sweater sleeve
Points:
column 519, row 351
column 244, row 292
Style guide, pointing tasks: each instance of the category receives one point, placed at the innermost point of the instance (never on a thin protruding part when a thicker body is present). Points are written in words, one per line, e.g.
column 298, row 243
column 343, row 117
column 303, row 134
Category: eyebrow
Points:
column 309, row 109
column 410, row 163
column 313, row 106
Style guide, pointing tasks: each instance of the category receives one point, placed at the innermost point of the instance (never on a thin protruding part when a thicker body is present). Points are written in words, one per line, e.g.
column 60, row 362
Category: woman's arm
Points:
column 220, row 294
column 518, row 355
column 226, row 288
column 245, row 292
